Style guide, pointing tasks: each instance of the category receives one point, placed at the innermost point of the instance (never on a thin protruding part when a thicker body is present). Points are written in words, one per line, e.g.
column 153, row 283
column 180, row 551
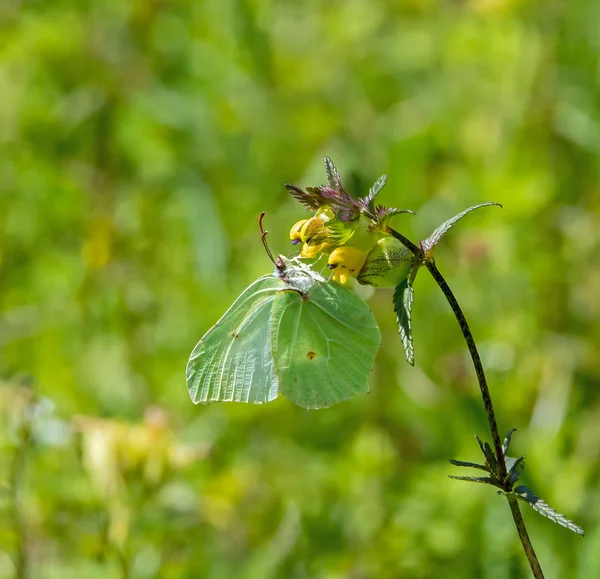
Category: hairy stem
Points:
column 485, row 394
column 524, row 536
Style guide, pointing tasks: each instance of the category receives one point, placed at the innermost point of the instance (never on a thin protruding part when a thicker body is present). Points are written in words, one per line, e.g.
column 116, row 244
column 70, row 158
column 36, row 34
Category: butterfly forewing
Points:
column 233, row 361
column 324, row 345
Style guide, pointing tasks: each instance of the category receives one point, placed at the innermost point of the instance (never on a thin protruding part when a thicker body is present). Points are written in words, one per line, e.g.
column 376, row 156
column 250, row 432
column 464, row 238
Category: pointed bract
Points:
column 429, row 243
column 367, row 202
column 468, row 464
column 309, row 200
column 343, row 206
column 526, row 494
column 381, row 215
column 478, row 479
column 490, row 457
column 403, row 300
column 506, row 442
column 333, row 177
column 514, row 466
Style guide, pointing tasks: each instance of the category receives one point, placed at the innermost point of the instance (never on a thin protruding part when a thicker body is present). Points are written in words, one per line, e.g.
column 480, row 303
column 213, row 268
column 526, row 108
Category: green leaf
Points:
column 468, row 464
column 380, row 217
column 514, row 466
column 403, row 300
column 344, row 207
column 526, row 494
column 478, row 479
column 507, row 440
column 309, row 199
column 373, row 191
column 429, row 243
column 490, row 457
column 333, row 177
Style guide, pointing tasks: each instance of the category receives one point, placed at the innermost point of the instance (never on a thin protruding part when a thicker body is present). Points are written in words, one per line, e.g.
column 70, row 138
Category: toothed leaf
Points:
column 526, row 494
column 491, row 457
column 507, row 440
column 514, row 466
column 333, row 177
column 429, row 243
column 478, row 479
column 381, row 215
column 373, row 191
column 403, row 300
column 468, row 464
column 307, row 198
column 343, row 206
column 487, row 451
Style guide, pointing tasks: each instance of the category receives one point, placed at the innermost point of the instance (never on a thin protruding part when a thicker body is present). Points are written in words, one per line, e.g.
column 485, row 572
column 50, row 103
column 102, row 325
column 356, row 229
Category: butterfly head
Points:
column 296, row 275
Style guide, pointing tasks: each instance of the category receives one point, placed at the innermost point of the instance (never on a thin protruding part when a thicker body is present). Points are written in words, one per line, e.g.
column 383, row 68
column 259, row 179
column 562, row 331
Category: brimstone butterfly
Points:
column 292, row 332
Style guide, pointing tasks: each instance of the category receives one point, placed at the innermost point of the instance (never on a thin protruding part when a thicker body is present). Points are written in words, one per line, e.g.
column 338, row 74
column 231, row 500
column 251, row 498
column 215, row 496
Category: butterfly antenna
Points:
column 264, row 237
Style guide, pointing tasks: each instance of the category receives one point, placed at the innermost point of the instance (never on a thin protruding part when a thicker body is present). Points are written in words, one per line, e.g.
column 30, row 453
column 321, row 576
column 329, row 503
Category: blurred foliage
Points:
column 140, row 140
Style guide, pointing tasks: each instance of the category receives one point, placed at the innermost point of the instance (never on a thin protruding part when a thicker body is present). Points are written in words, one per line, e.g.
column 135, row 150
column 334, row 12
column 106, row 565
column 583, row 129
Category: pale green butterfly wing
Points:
column 233, row 361
column 324, row 345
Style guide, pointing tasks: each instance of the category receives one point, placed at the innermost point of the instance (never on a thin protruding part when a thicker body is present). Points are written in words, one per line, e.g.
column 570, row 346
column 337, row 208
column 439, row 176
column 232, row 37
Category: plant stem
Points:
column 124, row 564
column 489, row 409
column 524, row 536
column 17, row 473
column 485, row 394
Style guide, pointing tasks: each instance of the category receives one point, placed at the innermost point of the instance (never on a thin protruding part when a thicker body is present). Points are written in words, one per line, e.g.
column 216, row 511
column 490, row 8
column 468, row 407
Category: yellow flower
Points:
column 296, row 231
column 345, row 262
column 312, row 251
column 314, row 233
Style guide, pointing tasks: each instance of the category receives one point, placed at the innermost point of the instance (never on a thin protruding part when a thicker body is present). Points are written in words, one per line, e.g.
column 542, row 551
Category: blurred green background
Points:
column 140, row 140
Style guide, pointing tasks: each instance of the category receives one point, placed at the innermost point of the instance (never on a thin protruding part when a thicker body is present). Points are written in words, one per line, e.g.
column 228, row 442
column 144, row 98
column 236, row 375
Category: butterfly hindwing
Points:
column 324, row 344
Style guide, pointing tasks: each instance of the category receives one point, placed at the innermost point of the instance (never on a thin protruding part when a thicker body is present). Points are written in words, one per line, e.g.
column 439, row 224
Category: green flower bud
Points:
column 387, row 264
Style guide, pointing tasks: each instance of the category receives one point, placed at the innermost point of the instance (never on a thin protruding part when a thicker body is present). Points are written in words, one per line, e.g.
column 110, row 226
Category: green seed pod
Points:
column 387, row 264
